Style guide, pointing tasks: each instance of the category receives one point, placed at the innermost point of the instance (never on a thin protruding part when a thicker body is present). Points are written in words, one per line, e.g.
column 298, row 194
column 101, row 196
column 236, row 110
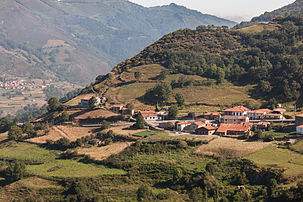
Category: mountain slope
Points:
column 270, row 60
column 77, row 39
column 291, row 9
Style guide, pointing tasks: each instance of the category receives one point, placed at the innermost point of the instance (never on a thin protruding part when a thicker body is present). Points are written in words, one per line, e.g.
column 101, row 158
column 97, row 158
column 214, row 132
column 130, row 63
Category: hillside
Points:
column 75, row 40
column 266, row 57
column 290, row 9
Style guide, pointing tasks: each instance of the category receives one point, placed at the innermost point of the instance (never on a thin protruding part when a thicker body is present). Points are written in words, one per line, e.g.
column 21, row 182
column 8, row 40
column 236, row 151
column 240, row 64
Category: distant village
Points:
column 19, row 85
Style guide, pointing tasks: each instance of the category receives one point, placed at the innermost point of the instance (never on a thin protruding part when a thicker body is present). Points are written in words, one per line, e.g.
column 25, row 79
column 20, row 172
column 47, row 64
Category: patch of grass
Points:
column 275, row 134
column 72, row 168
column 145, row 133
column 298, row 146
column 26, row 151
column 272, row 156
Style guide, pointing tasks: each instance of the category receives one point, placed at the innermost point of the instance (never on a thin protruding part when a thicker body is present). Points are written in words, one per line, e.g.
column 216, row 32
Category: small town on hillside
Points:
column 19, row 84
column 232, row 122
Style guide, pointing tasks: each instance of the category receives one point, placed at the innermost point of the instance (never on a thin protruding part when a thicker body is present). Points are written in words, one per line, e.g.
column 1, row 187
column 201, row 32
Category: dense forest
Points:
column 270, row 59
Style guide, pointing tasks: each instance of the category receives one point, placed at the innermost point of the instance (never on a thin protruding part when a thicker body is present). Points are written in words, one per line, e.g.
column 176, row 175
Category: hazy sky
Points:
column 224, row 8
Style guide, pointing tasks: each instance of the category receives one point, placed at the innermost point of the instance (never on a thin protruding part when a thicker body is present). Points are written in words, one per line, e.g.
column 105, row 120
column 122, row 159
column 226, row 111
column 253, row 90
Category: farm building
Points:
column 299, row 129
column 206, row 130
column 212, row 116
column 236, row 111
column 234, row 119
column 180, row 126
column 84, row 102
column 299, row 119
column 234, row 129
column 258, row 114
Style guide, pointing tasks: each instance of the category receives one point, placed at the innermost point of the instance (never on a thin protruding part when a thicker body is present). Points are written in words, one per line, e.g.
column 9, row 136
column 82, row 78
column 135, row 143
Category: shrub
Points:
column 15, row 171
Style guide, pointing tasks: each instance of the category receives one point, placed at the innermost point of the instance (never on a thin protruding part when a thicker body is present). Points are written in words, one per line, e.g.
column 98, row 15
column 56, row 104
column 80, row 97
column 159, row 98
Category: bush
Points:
column 15, row 171
column 144, row 193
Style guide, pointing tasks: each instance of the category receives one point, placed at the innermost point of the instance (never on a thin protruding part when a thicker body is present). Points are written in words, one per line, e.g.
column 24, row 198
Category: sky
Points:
column 230, row 9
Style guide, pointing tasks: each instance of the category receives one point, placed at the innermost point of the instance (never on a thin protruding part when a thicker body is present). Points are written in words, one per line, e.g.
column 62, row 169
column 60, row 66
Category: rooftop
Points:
column 237, row 109
column 212, row 114
column 242, row 127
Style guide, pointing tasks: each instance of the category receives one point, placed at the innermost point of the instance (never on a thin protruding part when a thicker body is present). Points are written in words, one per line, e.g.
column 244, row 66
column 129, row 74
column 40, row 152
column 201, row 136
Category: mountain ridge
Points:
column 98, row 34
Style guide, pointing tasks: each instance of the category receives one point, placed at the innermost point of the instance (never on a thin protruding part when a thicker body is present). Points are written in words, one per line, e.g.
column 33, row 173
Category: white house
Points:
column 150, row 115
column 180, row 126
column 236, row 111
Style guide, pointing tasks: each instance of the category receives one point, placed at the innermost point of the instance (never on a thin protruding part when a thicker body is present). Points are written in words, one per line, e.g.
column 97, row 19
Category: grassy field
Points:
column 259, row 27
column 26, row 151
column 272, row 156
column 229, row 147
column 145, row 133
column 72, row 168
column 298, row 146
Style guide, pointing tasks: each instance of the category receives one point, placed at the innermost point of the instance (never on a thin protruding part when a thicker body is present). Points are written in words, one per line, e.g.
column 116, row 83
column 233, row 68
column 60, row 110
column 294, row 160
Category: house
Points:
column 212, row 116
column 258, row 114
column 84, row 102
column 180, row 126
column 234, row 119
column 274, row 116
column 95, row 142
column 195, row 125
column 236, row 111
column 262, row 125
column 116, row 108
column 299, row 129
column 279, row 111
column 205, row 130
column 233, row 129
column 150, row 115
column 299, row 119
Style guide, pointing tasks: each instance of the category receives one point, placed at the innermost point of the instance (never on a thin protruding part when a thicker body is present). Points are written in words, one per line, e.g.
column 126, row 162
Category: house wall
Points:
column 299, row 121
column 300, row 131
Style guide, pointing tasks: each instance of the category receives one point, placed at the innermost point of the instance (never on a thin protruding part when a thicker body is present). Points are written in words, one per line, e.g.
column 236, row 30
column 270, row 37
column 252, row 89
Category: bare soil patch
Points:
column 101, row 153
column 70, row 132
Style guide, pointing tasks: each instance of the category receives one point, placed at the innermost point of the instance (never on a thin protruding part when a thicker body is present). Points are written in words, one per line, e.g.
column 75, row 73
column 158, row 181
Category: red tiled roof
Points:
column 212, row 114
column 199, row 123
column 238, row 109
column 301, row 126
column 166, row 107
column 299, row 115
column 261, row 111
column 209, row 128
column 86, row 98
column 118, row 106
column 242, row 127
column 276, row 115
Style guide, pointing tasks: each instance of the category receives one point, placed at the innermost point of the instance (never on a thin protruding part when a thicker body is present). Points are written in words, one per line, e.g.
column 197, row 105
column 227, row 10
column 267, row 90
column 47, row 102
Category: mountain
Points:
column 291, row 9
column 73, row 40
column 266, row 58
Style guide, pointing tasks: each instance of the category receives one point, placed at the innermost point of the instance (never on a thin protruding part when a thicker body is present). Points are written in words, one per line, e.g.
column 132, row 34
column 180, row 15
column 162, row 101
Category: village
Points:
column 236, row 121
column 19, row 84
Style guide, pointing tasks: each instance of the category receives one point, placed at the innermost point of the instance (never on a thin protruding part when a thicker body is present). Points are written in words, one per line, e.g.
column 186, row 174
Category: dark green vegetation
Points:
column 75, row 40
column 269, row 59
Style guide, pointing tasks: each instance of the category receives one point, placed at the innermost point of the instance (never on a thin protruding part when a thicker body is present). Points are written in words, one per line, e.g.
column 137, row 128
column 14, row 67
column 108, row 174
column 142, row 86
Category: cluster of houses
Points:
column 150, row 115
column 18, row 84
column 232, row 122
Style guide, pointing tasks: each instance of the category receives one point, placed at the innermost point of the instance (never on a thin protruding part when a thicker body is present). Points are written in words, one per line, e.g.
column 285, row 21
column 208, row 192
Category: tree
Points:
column 196, row 194
column 137, row 75
column 130, row 107
column 92, row 102
column 140, row 122
column 28, row 128
column 144, row 193
column 15, row 133
column 6, row 123
column 180, row 99
column 53, row 104
column 105, row 124
column 64, row 117
column 173, row 112
column 160, row 94
column 15, row 171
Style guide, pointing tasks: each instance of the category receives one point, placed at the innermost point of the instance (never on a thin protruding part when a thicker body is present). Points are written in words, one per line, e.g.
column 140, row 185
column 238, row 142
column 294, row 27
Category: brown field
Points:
column 229, row 147
column 101, row 153
column 51, row 43
column 3, row 136
column 147, row 71
column 57, row 132
column 76, row 100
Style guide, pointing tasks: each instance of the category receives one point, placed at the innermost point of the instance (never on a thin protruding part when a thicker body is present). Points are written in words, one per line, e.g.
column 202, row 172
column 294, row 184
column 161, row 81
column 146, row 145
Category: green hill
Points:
column 267, row 59
column 75, row 40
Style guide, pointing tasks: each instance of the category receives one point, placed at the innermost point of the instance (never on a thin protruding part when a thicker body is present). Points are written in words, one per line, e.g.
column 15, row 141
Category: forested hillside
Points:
column 75, row 40
column 272, row 60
